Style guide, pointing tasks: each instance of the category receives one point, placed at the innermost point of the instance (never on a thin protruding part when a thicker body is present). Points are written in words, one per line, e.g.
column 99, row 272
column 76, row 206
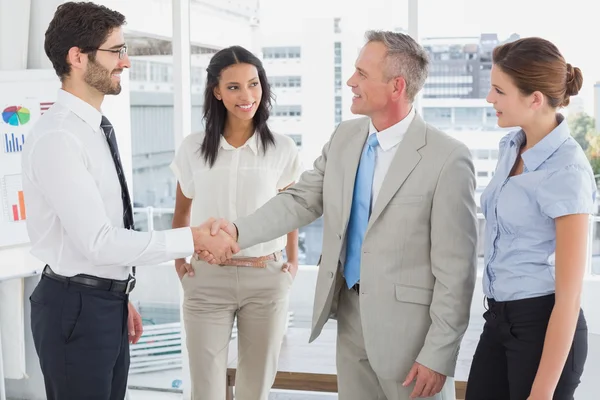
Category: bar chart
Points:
column 13, row 143
column 13, row 199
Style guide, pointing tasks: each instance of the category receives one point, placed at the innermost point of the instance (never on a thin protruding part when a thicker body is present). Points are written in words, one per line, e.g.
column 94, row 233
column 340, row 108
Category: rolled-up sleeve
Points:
column 566, row 191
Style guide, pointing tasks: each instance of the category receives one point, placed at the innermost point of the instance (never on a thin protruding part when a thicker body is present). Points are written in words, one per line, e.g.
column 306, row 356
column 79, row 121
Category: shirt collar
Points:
column 252, row 143
column 393, row 135
column 82, row 109
column 535, row 156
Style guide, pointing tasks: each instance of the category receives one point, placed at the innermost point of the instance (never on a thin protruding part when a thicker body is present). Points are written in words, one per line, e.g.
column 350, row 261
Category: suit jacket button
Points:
column 331, row 275
column 339, row 236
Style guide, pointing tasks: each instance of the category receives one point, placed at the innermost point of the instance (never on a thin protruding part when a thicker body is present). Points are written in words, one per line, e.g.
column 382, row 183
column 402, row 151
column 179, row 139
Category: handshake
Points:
column 215, row 241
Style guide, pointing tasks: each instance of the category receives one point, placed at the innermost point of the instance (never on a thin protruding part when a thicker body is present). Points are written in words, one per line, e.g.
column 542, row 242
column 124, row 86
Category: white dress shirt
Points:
column 389, row 140
column 241, row 180
column 73, row 199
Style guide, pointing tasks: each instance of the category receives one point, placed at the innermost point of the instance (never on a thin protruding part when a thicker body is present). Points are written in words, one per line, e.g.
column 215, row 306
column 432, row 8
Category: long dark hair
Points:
column 215, row 112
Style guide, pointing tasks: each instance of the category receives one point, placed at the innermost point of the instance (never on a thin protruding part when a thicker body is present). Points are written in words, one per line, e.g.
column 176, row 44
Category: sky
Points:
column 571, row 25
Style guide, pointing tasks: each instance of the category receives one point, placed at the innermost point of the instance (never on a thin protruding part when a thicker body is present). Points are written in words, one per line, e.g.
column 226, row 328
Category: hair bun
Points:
column 574, row 80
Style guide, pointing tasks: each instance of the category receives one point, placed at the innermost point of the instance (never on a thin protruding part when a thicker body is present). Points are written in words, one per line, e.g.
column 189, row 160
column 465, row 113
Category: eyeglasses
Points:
column 121, row 52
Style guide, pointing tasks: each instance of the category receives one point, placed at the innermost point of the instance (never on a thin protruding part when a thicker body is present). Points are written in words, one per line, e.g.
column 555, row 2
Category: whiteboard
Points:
column 17, row 262
column 24, row 96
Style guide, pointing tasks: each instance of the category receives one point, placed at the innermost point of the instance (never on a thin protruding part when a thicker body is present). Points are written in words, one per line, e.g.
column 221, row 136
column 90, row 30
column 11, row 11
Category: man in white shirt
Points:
column 400, row 230
column 80, row 219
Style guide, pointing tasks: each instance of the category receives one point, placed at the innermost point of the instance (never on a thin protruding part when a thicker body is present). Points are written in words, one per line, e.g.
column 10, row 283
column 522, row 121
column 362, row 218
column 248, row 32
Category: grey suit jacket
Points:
column 418, row 265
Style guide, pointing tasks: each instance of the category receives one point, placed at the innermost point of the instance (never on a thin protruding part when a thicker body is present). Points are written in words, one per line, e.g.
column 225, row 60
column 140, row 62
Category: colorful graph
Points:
column 45, row 106
column 12, row 143
column 14, row 200
column 16, row 115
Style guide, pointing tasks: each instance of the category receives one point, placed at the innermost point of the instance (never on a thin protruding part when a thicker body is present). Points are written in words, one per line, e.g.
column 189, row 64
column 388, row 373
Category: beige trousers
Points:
column 259, row 298
column 356, row 378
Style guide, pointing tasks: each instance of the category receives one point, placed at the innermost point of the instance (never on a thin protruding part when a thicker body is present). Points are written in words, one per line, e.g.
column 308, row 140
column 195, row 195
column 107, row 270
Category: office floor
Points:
column 275, row 395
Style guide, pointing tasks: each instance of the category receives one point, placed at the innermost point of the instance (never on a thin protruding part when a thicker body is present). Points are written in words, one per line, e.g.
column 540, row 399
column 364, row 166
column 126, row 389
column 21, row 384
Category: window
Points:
column 297, row 139
column 491, row 120
column 152, row 149
column 438, row 116
column 285, row 81
column 295, row 111
column 161, row 72
column 139, row 70
column 337, row 82
column 287, row 111
column 281, row 52
column 336, row 25
column 472, row 116
column 338, row 110
column 294, row 52
column 198, row 76
column 482, row 154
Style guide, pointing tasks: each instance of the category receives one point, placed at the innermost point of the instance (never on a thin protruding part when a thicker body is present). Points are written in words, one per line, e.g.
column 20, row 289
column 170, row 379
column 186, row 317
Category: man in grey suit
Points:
column 400, row 229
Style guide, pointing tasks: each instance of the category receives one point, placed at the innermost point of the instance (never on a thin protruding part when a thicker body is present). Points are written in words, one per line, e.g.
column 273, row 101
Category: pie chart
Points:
column 16, row 115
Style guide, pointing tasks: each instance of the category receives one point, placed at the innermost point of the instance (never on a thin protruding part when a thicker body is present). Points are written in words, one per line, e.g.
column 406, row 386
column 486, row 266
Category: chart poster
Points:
column 24, row 97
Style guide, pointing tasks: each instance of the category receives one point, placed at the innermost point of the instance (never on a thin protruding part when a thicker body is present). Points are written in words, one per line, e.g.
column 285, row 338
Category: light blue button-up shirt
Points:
column 520, row 234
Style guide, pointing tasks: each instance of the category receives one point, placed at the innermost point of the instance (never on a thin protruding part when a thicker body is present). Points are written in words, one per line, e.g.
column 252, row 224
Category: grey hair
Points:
column 405, row 58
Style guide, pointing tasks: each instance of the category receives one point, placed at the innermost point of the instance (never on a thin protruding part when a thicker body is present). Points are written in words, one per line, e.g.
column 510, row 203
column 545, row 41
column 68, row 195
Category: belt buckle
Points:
column 130, row 285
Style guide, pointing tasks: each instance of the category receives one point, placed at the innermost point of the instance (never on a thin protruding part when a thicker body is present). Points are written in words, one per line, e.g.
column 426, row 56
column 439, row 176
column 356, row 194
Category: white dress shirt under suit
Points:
column 389, row 139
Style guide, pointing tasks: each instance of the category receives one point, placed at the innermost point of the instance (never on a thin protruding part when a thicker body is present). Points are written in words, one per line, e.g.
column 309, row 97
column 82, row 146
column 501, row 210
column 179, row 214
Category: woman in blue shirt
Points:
column 537, row 206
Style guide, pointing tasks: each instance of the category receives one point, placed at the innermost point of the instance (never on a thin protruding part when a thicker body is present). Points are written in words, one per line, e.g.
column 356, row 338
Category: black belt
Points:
column 111, row 285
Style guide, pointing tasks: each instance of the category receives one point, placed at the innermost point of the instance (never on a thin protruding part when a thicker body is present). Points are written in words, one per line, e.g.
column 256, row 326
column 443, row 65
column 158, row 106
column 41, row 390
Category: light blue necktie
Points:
column 360, row 211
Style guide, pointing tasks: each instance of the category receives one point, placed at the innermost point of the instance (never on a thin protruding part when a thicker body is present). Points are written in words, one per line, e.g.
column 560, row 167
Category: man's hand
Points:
column 291, row 267
column 223, row 224
column 134, row 324
column 183, row 267
column 218, row 227
column 429, row 383
column 220, row 245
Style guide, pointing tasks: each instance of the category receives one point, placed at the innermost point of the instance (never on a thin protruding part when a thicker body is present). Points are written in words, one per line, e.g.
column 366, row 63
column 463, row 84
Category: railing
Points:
column 159, row 347
column 152, row 212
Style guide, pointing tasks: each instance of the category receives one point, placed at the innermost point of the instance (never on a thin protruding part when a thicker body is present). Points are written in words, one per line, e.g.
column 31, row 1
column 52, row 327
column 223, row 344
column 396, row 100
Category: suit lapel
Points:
column 355, row 144
column 405, row 160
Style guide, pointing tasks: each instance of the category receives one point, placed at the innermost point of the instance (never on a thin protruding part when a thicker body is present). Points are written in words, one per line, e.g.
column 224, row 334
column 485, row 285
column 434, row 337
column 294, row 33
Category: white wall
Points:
column 14, row 34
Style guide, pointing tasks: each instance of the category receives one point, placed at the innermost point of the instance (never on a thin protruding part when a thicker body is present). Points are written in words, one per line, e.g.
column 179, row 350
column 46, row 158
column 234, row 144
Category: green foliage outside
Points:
column 583, row 130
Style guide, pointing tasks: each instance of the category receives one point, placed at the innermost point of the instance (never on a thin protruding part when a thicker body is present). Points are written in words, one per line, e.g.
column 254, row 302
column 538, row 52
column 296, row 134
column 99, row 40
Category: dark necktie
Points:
column 109, row 132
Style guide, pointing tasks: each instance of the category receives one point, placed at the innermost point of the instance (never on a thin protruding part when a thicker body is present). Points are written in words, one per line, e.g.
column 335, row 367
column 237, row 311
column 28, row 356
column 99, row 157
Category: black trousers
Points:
column 81, row 339
column 510, row 349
